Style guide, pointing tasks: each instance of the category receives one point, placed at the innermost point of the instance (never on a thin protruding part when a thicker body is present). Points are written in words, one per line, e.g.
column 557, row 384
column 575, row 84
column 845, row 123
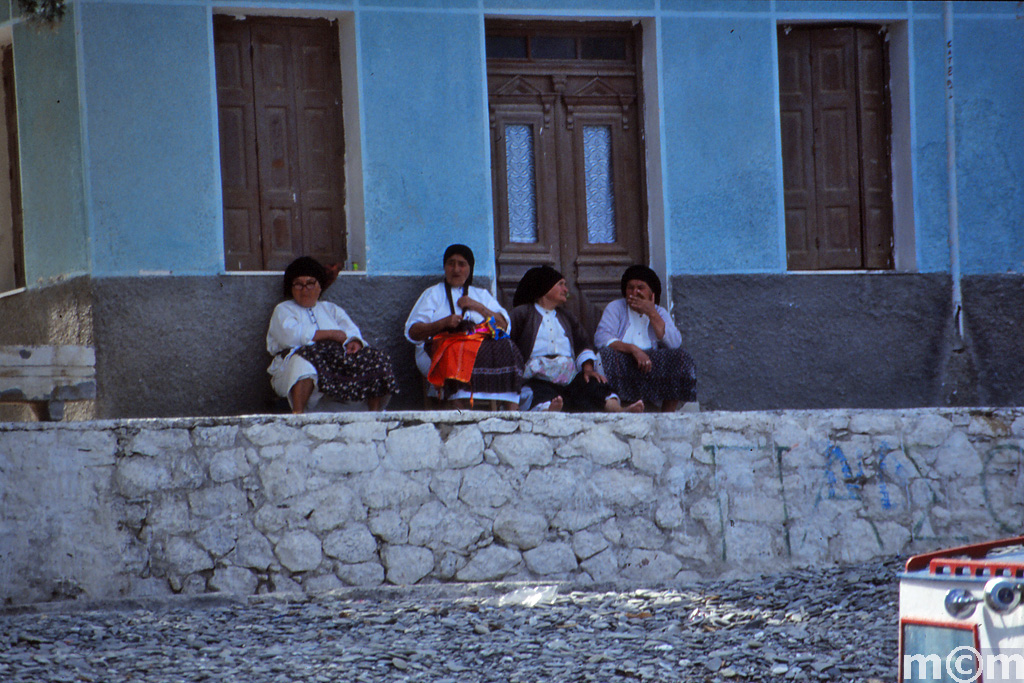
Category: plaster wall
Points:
column 152, row 136
column 53, row 195
column 306, row 503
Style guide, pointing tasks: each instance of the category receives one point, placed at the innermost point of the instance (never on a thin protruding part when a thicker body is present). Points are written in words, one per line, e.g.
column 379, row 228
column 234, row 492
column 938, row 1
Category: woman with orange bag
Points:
column 461, row 337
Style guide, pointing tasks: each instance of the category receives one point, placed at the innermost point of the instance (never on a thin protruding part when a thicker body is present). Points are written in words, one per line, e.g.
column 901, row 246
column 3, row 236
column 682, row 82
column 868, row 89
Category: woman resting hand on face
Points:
column 461, row 337
column 559, row 361
column 641, row 348
column 318, row 350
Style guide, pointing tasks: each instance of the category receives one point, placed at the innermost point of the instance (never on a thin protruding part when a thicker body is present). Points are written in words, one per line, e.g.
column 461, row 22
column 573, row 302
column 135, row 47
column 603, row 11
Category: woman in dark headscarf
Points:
column 641, row 348
column 317, row 348
column 461, row 337
column 559, row 361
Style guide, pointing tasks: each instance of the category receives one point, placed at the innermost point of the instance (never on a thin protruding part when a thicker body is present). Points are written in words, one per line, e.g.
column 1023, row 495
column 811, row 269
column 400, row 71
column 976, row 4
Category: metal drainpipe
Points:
column 954, row 218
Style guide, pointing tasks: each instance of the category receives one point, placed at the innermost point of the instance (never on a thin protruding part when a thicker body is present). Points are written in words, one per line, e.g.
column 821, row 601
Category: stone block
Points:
column 873, row 422
column 299, row 551
column 390, row 527
column 219, row 437
column 168, row 517
column 930, row 430
column 603, row 566
column 445, row 484
column 234, row 580
column 346, row 457
column 520, row 528
column 669, row 514
column 640, row 532
column 273, row 433
column 521, row 451
column 216, row 501
column 599, row 444
column 271, row 518
column 490, row 564
column 751, row 506
column 253, row 550
column 363, row 574
column 586, row 544
column 646, row 457
column 484, row 486
column 284, row 584
column 856, row 541
column 324, row 583
column 159, row 442
column 139, row 477
column 622, row 488
column 552, row 488
column 407, row 564
column 748, row 543
column 329, row 507
column 436, row 526
column 185, row 557
column 323, row 432
column 634, row 426
column 650, row 566
column 229, row 465
column 413, row 448
column 957, row 458
column 499, row 425
column 352, row 545
column 383, row 489
column 364, row 430
column 464, row 447
column 286, row 477
column 576, row 518
column 554, row 424
column 218, row 538
column 551, row 558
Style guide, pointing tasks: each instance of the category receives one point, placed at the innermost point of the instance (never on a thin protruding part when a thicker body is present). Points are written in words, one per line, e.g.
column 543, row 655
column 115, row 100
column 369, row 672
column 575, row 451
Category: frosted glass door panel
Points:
column 597, row 160
column 522, row 184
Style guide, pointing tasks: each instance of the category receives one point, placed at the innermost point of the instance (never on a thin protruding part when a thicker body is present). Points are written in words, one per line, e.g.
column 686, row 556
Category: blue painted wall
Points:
column 427, row 170
column 153, row 168
column 720, row 127
column 50, row 149
column 145, row 132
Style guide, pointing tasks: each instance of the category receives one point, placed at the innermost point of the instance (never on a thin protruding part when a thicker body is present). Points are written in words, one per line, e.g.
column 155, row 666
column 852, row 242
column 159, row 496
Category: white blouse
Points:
column 293, row 326
column 433, row 305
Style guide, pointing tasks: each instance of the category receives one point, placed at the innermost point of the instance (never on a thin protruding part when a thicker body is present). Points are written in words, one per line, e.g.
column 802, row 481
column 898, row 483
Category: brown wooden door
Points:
column 834, row 117
column 17, row 256
column 567, row 172
column 282, row 142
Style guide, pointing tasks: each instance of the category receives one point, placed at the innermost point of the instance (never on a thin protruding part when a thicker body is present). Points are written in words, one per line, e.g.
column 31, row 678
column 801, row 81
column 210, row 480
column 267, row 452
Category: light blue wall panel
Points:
column 989, row 87
column 570, row 7
column 153, row 166
column 720, row 133
column 49, row 132
column 427, row 173
column 929, row 111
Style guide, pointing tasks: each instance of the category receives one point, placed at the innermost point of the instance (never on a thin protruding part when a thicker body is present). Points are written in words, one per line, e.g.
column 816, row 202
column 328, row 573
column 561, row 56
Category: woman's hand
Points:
column 353, row 346
column 642, row 305
column 589, row 372
column 643, row 361
column 332, row 335
column 452, row 321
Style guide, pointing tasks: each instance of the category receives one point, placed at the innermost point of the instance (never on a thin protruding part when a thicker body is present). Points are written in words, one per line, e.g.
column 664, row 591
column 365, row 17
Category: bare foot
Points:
column 556, row 405
column 637, row 407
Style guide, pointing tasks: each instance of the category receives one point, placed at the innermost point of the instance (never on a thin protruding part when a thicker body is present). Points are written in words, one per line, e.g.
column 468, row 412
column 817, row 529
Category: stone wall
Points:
column 314, row 502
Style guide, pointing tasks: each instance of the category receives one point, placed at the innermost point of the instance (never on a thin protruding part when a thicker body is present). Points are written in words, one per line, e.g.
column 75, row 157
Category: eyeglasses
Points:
column 305, row 285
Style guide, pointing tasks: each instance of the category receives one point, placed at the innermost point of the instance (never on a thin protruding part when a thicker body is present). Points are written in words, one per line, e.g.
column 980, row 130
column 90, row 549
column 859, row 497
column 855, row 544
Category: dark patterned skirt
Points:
column 498, row 370
column 350, row 376
column 673, row 376
column 578, row 396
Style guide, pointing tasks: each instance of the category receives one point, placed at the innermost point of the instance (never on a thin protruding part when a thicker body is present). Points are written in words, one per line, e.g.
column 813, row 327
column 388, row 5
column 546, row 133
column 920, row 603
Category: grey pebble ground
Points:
column 808, row 624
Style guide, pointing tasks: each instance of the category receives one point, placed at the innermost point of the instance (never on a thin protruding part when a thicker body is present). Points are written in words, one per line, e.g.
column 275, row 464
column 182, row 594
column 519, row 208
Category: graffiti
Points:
column 843, row 481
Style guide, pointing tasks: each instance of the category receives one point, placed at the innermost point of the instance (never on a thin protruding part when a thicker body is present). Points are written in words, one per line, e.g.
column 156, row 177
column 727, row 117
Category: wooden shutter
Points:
column 239, row 177
column 282, row 141
column 13, row 165
column 875, row 171
column 834, row 117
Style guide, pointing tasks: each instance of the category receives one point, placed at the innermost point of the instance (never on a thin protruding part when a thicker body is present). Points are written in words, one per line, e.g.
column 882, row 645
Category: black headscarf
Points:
column 645, row 274
column 304, row 266
column 466, row 253
column 536, row 283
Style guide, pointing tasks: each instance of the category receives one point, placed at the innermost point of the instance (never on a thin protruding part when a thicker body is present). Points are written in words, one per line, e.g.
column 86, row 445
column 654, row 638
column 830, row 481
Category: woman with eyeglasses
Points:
column 318, row 351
